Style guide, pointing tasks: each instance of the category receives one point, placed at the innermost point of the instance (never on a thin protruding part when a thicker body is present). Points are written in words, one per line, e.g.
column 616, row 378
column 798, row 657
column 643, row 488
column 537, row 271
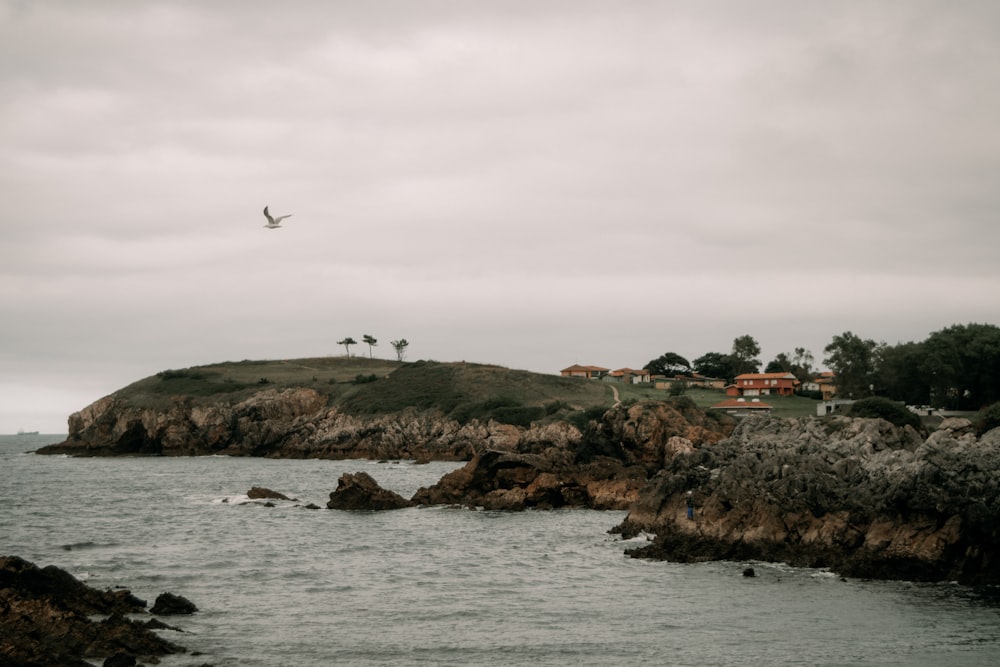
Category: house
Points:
column 826, row 384
column 740, row 407
column 628, row 376
column 578, row 371
column 829, row 406
column 763, row 384
column 687, row 381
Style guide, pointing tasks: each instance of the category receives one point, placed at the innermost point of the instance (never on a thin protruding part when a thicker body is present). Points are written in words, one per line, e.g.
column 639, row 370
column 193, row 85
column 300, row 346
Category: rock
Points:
column 120, row 659
column 749, row 572
column 168, row 604
column 859, row 496
column 510, row 481
column 259, row 492
column 47, row 618
column 359, row 491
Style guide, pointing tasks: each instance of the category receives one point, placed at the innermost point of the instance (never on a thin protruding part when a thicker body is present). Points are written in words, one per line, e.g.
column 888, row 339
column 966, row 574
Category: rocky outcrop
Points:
column 504, row 481
column 263, row 493
column 359, row 491
column 291, row 423
column 859, row 496
column 606, row 469
column 47, row 618
column 169, row 604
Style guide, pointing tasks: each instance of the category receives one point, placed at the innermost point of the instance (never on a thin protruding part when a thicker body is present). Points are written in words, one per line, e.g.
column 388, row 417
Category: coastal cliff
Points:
column 293, row 423
column 859, row 496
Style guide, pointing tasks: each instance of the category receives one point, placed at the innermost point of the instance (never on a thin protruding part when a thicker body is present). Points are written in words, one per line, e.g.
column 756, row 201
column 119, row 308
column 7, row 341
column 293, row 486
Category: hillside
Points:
column 360, row 386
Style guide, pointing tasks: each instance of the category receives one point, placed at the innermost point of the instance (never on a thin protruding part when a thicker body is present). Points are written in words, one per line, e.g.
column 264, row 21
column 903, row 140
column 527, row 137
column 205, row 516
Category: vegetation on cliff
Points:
column 358, row 386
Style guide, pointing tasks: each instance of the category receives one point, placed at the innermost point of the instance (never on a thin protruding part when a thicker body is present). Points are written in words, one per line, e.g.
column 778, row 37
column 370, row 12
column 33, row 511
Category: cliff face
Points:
column 860, row 496
column 289, row 423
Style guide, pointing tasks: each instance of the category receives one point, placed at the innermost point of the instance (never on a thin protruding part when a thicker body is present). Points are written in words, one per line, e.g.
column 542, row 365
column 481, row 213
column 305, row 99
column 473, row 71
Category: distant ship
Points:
column 23, row 432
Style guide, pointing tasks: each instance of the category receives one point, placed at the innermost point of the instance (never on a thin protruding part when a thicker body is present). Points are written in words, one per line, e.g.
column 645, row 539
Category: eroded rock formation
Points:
column 46, row 619
column 359, row 491
column 860, row 496
column 291, row 423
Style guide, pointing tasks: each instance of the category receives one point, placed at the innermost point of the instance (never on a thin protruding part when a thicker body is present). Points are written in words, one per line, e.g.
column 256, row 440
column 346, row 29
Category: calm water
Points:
column 444, row 586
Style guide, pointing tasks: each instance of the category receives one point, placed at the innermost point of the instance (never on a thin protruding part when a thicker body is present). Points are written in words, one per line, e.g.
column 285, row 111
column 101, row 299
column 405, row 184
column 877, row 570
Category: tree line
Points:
column 398, row 345
column 956, row 368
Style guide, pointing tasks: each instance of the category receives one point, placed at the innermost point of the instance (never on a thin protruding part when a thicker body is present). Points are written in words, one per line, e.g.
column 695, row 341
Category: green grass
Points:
column 464, row 391
column 784, row 406
column 362, row 386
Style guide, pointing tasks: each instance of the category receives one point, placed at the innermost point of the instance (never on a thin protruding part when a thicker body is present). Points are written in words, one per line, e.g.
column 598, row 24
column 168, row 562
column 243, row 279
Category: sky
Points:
column 527, row 183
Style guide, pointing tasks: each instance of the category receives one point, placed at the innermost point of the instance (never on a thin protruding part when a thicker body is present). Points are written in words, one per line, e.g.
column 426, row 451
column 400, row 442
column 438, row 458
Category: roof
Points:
column 765, row 376
column 578, row 367
column 743, row 405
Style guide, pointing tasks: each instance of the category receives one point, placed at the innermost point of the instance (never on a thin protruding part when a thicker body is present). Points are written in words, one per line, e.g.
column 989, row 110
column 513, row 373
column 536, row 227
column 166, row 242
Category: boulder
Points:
column 359, row 491
column 168, row 604
column 259, row 493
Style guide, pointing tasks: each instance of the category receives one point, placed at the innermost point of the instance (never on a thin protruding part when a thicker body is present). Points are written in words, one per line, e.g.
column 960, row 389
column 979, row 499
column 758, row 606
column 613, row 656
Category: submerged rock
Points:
column 359, row 491
column 259, row 492
column 168, row 604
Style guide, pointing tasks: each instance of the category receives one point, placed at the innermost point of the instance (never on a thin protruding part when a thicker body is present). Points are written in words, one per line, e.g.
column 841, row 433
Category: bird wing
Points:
column 280, row 218
column 268, row 216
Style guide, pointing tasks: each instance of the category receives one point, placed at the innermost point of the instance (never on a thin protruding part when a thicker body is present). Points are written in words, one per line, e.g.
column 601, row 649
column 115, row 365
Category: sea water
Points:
column 287, row 585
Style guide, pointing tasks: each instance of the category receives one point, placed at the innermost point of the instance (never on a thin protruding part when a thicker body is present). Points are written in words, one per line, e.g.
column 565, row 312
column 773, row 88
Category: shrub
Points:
column 882, row 408
column 987, row 419
column 364, row 379
column 518, row 416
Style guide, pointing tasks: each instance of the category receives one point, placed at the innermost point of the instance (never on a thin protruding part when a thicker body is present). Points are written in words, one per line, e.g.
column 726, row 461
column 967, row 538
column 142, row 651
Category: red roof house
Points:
column 763, row 384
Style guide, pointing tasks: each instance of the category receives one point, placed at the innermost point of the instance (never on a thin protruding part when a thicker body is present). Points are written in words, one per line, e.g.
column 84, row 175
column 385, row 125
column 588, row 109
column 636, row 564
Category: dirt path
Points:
column 614, row 390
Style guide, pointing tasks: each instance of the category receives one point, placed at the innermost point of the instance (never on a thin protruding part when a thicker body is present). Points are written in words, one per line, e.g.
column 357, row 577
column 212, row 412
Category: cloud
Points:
column 533, row 184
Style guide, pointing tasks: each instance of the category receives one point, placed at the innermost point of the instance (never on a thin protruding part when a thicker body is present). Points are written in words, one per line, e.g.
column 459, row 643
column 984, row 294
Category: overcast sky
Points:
column 529, row 183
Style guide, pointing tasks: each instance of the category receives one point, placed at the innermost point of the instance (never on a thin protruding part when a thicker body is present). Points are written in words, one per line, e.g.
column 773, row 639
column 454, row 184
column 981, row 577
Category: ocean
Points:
column 291, row 586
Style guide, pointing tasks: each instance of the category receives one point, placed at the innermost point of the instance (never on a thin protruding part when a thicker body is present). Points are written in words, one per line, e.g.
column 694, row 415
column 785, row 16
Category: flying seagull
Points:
column 274, row 223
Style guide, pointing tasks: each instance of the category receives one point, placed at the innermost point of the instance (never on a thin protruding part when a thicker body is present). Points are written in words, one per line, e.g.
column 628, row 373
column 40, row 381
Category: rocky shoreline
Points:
column 47, row 619
column 860, row 496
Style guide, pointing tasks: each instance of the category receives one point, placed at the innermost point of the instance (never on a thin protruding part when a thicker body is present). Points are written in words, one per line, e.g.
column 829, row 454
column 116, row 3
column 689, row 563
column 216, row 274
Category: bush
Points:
column 882, row 408
column 987, row 419
column 518, row 416
column 365, row 379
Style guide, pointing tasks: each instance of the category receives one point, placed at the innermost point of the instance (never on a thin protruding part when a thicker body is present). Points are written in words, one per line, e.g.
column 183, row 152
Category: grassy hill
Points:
column 379, row 386
column 464, row 391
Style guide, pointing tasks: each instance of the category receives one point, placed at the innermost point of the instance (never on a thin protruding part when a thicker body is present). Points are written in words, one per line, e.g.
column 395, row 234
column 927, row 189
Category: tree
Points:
column 714, row 365
column 962, row 366
column 901, row 374
column 802, row 363
column 780, row 364
column 371, row 341
column 744, row 355
column 799, row 364
column 400, row 347
column 854, row 360
column 669, row 364
column 347, row 343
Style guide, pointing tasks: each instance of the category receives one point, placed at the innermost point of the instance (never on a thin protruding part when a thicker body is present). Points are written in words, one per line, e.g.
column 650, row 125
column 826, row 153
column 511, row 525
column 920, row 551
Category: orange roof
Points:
column 765, row 376
column 736, row 403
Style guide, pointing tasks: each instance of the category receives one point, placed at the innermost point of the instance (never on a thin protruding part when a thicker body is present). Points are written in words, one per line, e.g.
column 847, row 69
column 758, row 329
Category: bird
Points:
column 274, row 223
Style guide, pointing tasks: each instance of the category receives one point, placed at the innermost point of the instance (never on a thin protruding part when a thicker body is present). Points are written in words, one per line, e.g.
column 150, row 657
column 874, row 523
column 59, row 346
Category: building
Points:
column 629, row 376
column 589, row 372
column 763, row 384
column 740, row 407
